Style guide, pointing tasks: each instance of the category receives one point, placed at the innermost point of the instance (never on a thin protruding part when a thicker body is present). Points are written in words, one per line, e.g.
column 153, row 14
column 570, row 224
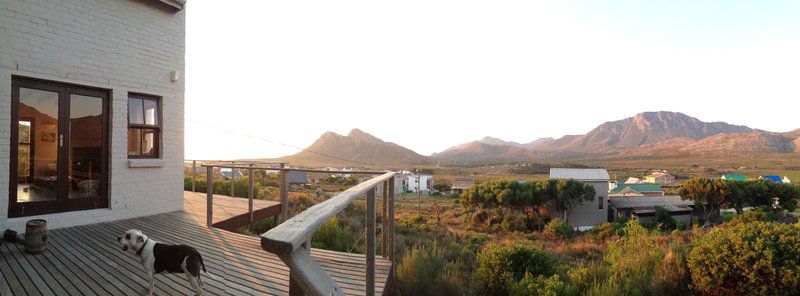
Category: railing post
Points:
column 194, row 175
column 233, row 175
column 370, row 242
column 250, row 192
column 385, row 219
column 284, row 195
column 391, row 220
column 209, row 195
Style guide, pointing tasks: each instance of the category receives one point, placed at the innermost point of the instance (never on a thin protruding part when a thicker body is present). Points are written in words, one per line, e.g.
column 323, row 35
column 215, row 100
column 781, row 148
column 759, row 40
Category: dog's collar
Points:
column 139, row 252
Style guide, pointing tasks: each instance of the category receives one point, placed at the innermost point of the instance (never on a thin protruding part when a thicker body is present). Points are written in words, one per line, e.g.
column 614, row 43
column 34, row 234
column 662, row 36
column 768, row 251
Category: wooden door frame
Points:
column 62, row 202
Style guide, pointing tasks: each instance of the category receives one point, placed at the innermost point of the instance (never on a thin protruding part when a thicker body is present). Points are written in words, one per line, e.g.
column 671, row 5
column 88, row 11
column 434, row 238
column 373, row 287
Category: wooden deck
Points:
column 85, row 260
column 230, row 213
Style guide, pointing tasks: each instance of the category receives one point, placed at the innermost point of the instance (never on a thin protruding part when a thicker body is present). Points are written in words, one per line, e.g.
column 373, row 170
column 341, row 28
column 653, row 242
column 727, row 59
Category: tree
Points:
column 441, row 186
column 570, row 193
column 709, row 193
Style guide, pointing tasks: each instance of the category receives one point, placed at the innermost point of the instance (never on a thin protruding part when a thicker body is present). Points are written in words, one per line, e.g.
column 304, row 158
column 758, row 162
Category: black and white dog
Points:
column 159, row 257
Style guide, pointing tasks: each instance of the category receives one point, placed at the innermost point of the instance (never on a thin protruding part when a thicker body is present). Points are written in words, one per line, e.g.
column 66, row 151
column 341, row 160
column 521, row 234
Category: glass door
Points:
column 58, row 148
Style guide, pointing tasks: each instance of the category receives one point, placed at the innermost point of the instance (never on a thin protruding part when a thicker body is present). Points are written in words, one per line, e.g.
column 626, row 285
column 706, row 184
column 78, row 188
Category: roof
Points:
column 776, row 179
column 647, row 204
column 462, row 183
column 738, row 177
column 641, row 187
column 633, row 180
column 579, row 174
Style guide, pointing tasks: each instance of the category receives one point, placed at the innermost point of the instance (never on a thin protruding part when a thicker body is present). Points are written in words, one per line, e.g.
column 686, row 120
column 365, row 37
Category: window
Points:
column 144, row 126
column 600, row 202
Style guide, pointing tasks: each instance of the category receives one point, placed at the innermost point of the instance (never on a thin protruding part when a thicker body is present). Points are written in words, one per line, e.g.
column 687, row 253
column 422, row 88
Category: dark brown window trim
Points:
column 156, row 128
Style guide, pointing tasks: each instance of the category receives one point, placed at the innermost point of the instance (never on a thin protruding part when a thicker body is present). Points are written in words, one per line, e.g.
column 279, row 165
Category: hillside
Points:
column 649, row 133
column 357, row 148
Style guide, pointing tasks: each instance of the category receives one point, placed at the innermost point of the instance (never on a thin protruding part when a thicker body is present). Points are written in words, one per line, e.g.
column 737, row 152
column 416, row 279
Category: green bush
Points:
column 501, row 266
column 261, row 226
column 753, row 216
column 665, row 220
column 604, row 231
column 559, row 229
column 419, row 271
column 632, row 260
column 754, row 258
column 542, row 286
column 333, row 236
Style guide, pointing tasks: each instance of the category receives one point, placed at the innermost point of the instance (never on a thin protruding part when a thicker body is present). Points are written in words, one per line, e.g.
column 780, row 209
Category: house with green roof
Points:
column 645, row 189
column 734, row 177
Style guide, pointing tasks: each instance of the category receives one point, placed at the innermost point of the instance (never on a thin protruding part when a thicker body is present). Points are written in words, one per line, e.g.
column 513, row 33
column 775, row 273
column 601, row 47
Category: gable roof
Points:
column 579, row 174
column 737, row 177
column 641, row 188
column 775, row 179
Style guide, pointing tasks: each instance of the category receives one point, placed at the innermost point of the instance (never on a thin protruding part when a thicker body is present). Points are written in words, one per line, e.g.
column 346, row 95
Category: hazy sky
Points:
column 432, row 74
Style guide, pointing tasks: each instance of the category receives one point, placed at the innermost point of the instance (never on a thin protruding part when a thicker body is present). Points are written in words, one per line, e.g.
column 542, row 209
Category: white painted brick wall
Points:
column 120, row 45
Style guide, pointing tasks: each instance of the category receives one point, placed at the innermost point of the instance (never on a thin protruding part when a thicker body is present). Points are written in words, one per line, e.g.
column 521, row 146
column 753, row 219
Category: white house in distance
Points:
column 92, row 100
column 661, row 178
column 419, row 183
column 589, row 213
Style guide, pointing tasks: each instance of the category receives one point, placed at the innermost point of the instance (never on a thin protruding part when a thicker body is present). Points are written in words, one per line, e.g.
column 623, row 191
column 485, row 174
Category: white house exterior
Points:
column 589, row 213
column 92, row 100
column 417, row 183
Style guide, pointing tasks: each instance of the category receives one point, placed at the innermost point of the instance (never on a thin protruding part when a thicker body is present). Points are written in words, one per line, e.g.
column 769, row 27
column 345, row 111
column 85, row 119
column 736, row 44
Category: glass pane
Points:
column 134, row 141
column 85, row 146
column 38, row 118
column 148, row 142
column 24, row 132
column 135, row 112
column 24, row 161
column 150, row 112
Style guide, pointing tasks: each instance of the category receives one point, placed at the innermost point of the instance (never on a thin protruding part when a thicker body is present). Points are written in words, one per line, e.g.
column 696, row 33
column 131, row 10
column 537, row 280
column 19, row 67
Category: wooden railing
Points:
column 291, row 240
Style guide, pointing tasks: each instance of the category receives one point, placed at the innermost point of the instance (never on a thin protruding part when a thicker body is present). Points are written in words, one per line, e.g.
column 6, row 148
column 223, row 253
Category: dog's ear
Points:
column 139, row 239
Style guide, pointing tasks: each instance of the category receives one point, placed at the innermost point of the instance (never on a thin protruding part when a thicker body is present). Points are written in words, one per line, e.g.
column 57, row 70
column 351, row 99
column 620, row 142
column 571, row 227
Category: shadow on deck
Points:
column 85, row 260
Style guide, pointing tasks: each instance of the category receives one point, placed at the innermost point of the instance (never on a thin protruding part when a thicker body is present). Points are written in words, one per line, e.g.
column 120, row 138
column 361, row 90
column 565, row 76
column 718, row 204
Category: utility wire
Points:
column 278, row 143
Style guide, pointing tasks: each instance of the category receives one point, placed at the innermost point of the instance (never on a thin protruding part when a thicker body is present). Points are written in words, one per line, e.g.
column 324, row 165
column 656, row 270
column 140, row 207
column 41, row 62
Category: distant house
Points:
column 612, row 185
column 419, row 183
column 643, row 208
column 661, row 178
column 587, row 213
column 734, row 177
column 228, row 172
column 786, row 180
column 646, row 189
column 633, row 180
column 776, row 179
column 461, row 184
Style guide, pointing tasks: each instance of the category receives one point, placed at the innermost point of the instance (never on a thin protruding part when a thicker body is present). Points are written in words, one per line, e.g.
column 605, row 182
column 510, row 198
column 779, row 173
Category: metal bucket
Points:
column 36, row 236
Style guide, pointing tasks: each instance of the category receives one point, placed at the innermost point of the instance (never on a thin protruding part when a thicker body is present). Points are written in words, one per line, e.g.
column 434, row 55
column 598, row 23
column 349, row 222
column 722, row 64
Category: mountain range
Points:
column 645, row 134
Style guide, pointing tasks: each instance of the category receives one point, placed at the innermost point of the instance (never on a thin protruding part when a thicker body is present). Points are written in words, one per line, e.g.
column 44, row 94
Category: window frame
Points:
column 157, row 128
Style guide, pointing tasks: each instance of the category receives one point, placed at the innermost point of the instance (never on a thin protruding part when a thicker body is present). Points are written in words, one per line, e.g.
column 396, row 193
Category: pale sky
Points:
column 431, row 74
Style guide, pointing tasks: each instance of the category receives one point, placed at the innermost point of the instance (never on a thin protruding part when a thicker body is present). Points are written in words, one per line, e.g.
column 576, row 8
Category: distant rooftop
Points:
column 641, row 187
column 579, row 174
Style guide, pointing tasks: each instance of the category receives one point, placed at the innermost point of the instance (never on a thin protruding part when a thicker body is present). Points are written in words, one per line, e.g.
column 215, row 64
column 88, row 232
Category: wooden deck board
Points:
column 86, row 260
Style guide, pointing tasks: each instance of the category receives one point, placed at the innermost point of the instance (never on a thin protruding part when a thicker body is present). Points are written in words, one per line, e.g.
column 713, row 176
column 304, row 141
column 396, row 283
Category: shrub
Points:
column 603, row 231
column 499, row 266
column 632, row 259
column 419, row 271
column 753, row 216
column 665, row 219
column 754, row 258
column 558, row 229
column 543, row 286
column 333, row 236
column 261, row 226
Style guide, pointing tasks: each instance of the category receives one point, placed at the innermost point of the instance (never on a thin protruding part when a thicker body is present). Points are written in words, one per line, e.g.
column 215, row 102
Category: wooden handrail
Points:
column 291, row 240
column 290, row 235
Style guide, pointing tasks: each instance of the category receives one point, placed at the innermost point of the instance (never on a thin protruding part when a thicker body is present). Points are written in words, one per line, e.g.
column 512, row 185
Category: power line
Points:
column 277, row 143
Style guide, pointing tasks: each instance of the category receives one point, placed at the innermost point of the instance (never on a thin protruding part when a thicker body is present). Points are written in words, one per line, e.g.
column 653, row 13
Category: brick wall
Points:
column 120, row 45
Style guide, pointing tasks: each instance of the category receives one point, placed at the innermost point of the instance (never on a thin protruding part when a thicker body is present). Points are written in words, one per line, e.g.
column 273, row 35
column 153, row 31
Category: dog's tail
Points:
column 203, row 265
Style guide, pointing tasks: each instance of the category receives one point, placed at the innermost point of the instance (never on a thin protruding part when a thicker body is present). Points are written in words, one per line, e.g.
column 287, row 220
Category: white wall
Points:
column 587, row 213
column 120, row 45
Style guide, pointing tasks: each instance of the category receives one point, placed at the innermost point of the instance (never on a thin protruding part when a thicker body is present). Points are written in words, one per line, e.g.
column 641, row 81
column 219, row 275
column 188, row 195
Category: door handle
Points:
column 61, row 140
